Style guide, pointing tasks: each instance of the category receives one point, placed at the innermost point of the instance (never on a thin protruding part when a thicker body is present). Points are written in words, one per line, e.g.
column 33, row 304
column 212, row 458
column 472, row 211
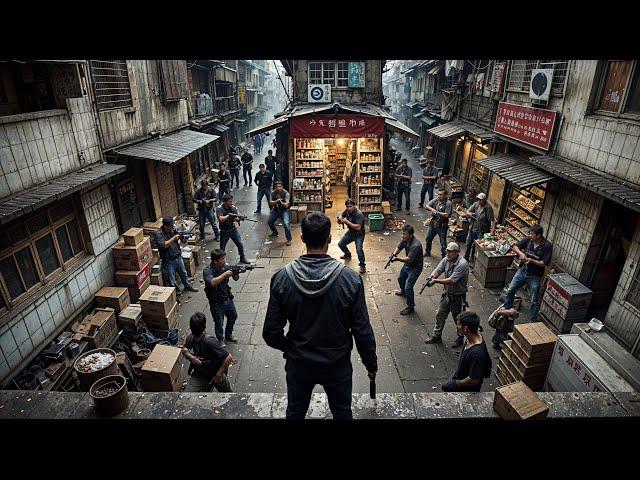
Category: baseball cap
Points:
column 453, row 247
column 350, row 201
column 481, row 196
column 167, row 220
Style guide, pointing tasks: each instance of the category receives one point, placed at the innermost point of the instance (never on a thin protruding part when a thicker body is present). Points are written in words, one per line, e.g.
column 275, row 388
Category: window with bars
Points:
column 34, row 250
column 335, row 74
column 633, row 295
column 520, row 75
column 111, row 84
column 619, row 89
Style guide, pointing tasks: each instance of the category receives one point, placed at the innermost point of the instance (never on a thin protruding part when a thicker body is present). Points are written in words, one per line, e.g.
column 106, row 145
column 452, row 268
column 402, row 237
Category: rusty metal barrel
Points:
column 89, row 378
column 110, row 395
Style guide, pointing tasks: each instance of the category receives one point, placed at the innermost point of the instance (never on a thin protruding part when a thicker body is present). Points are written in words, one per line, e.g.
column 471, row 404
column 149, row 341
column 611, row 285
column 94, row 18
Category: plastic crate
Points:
column 376, row 222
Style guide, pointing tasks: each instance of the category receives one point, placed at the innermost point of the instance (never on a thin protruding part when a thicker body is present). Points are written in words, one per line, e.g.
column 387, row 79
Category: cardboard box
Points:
column 293, row 212
column 157, row 302
column 516, row 401
column 190, row 265
column 161, row 371
column 130, row 258
column 113, row 297
column 160, row 326
column 156, row 279
column 135, row 293
column 103, row 327
column 150, row 228
column 302, row 212
column 133, row 236
column 386, row 207
column 133, row 278
column 130, row 317
column 197, row 253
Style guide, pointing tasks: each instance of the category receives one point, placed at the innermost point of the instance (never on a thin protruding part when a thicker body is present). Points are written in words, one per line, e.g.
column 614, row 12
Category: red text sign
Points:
column 533, row 126
column 334, row 126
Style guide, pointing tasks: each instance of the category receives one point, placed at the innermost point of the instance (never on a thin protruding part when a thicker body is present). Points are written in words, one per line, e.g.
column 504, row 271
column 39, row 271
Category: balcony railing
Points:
column 226, row 104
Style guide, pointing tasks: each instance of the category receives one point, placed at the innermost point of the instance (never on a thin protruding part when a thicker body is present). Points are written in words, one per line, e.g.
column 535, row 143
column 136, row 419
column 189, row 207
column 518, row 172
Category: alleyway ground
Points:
column 406, row 363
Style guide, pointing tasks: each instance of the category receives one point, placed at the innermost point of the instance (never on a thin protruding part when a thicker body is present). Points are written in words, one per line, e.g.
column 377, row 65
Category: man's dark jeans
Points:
column 246, row 171
column 235, row 173
column 204, row 215
column 406, row 190
column 218, row 312
column 263, row 191
column 221, row 192
column 431, row 234
column 336, row 379
column 234, row 236
column 353, row 236
column 426, row 187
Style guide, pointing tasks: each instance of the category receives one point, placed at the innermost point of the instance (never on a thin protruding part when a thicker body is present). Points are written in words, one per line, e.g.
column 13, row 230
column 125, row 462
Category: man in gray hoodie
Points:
column 325, row 306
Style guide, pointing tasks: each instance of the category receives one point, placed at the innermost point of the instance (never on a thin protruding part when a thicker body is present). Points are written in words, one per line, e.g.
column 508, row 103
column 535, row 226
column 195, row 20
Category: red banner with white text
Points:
column 335, row 126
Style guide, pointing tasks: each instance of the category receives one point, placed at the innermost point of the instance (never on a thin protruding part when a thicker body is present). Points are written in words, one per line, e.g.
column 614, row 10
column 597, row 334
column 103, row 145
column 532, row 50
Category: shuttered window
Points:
column 111, row 84
column 173, row 79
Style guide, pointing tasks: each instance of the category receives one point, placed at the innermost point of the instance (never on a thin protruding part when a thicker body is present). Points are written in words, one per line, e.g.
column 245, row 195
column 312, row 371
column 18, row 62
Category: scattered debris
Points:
column 386, row 233
column 432, row 366
column 425, row 353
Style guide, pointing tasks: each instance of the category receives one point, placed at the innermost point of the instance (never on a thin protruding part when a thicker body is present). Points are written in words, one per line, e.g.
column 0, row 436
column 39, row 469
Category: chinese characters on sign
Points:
column 356, row 74
column 533, row 126
column 332, row 126
column 576, row 368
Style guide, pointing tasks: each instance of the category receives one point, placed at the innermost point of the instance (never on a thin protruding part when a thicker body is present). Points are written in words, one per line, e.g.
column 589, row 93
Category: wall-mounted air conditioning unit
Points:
column 319, row 93
column 540, row 86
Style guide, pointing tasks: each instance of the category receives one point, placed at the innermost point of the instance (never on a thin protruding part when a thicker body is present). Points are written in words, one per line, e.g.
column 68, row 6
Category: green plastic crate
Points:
column 376, row 222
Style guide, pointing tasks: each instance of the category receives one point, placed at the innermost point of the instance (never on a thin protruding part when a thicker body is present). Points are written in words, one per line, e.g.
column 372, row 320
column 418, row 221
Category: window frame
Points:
column 30, row 243
column 602, row 74
column 557, row 91
column 100, row 105
column 334, row 84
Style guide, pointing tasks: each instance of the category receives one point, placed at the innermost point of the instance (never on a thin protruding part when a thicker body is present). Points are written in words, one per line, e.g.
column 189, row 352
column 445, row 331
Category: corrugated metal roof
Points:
column 411, row 104
column 278, row 122
column 435, row 70
column 428, row 120
column 480, row 132
column 400, row 127
column 220, row 127
column 516, row 170
column 170, row 148
column 41, row 195
column 446, row 130
column 627, row 195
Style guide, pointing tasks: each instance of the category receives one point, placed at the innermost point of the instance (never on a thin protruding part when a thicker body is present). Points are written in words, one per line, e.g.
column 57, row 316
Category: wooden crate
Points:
column 516, row 401
column 532, row 380
column 534, row 338
column 525, row 369
column 529, row 359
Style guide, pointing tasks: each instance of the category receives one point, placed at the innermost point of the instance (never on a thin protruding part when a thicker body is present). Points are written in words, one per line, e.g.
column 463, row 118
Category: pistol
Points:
column 427, row 283
column 391, row 257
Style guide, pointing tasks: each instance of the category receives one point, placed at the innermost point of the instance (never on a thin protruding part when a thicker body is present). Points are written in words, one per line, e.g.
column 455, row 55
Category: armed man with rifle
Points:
column 206, row 199
column 228, row 215
column 412, row 268
column 441, row 209
column 167, row 239
column 456, row 272
column 353, row 218
column 216, row 286
column 279, row 200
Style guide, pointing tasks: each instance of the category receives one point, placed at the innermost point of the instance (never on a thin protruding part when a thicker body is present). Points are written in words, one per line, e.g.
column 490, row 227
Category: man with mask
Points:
column 353, row 218
column 279, row 200
column 324, row 303
column 456, row 276
column 483, row 222
column 441, row 209
column 205, row 198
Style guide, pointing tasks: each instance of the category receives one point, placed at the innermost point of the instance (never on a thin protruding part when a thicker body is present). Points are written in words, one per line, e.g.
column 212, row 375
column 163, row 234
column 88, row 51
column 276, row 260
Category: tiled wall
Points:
column 34, row 151
column 30, row 330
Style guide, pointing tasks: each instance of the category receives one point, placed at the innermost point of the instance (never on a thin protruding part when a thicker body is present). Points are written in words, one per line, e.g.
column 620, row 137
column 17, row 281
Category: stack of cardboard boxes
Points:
column 159, row 310
column 526, row 357
column 133, row 258
column 99, row 329
column 161, row 371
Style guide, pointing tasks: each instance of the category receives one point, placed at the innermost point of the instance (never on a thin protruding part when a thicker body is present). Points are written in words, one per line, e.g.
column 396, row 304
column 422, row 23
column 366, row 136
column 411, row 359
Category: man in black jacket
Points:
column 325, row 306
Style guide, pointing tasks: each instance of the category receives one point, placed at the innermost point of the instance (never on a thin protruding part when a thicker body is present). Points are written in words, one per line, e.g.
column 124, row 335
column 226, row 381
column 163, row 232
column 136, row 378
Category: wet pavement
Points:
column 406, row 363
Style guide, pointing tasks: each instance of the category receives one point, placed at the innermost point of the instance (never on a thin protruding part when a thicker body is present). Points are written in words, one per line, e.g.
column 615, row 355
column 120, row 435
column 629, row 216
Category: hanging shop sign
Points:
column 356, row 74
column 533, row 126
column 242, row 95
column 336, row 126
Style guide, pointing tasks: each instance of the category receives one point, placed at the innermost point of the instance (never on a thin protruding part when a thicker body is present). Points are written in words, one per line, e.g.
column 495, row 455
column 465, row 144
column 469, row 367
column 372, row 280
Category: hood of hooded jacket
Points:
column 313, row 276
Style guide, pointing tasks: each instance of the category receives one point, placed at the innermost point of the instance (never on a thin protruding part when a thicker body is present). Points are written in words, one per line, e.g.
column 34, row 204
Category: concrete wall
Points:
column 46, row 145
column 148, row 112
column 371, row 93
column 604, row 143
column 33, row 326
column 569, row 219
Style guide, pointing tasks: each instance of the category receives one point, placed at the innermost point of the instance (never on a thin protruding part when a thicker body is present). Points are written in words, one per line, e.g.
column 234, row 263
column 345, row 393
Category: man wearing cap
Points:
column 168, row 241
column 205, row 198
column 279, row 200
column 228, row 230
column 412, row 268
column 484, row 221
column 456, row 275
column 475, row 362
column 353, row 218
column 429, row 177
column 441, row 209
column 403, row 177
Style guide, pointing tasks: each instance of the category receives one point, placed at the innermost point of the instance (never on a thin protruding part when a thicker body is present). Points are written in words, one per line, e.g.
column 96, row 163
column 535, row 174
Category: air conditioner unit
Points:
column 540, row 86
column 319, row 93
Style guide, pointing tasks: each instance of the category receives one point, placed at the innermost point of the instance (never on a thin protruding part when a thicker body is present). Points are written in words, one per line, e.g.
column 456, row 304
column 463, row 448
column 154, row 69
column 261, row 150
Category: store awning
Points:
column 20, row 204
column 597, row 182
column 220, row 128
column 270, row 125
column 420, row 114
column 169, row 148
column 516, row 170
column 240, row 120
column 400, row 128
column 446, row 130
column 480, row 132
column 428, row 120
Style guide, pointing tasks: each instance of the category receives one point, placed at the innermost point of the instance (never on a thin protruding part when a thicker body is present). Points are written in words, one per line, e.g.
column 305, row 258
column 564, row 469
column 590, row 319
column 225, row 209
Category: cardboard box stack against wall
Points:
column 159, row 309
column 134, row 260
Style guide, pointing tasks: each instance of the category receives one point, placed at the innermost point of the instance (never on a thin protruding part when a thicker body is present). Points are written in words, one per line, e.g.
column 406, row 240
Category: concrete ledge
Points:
column 16, row 404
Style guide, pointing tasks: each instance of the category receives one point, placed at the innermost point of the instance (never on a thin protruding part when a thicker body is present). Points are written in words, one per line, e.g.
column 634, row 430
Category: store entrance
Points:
column 607, row 254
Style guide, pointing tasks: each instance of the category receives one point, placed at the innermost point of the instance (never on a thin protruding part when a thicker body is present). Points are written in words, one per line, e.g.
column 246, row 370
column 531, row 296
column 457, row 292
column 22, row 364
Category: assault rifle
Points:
column 241, row 217
column 428, row 283
column 391, row 257
column 242, row 268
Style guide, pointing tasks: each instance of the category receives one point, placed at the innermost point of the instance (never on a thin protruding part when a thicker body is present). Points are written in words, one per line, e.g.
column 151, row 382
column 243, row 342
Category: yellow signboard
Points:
column 242, row 95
